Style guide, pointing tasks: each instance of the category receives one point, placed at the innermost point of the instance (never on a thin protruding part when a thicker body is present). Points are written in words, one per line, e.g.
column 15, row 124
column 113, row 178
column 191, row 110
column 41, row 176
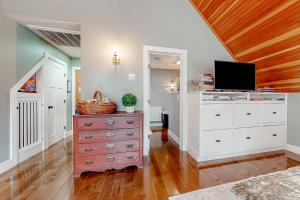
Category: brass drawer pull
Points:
column 110, row 134
column 88, row 162
column 130, row 122
column 110, row 122
column 88, row 124
column 129, row 157
column 130, row 134
column 130, row 145
column 89, row 137
column 110, row 146
column 89, row 150
column 110, row 159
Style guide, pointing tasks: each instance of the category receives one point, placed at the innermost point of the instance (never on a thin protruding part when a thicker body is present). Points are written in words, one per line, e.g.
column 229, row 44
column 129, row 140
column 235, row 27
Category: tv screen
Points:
column 234, row 76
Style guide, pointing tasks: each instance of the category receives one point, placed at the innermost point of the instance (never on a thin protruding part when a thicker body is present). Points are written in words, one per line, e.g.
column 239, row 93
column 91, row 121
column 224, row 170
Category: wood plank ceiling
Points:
column 264, row 32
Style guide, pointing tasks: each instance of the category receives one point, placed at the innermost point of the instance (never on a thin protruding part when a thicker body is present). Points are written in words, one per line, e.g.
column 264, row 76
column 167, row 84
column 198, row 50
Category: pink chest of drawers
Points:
column 109, row 141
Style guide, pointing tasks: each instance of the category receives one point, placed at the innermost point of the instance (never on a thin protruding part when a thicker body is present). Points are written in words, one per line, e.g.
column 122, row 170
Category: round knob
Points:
column 110, row 122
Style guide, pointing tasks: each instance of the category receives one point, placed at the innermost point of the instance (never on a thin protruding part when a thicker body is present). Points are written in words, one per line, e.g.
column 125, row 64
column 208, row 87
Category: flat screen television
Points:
column 234, row 76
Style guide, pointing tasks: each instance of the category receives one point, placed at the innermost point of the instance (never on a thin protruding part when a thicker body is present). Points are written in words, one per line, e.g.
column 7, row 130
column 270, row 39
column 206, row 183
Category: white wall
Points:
column 174, row 113
column 128, row 25
column 160, row 79
column 294, row 119
column 7, row 78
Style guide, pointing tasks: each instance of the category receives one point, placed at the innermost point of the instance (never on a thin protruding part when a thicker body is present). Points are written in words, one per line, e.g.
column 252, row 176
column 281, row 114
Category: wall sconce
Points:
column 116, row 59
column 172, row 86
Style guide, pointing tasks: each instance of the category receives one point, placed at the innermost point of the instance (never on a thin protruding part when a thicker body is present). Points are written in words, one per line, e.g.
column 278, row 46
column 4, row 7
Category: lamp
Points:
column 116, row 59
column 172, row 86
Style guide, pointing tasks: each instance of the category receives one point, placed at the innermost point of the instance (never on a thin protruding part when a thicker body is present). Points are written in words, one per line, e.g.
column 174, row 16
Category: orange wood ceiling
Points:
column 264, row 32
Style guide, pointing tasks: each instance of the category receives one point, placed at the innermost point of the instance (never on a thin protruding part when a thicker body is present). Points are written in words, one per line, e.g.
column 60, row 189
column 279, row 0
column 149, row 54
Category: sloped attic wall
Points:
column 263, row 32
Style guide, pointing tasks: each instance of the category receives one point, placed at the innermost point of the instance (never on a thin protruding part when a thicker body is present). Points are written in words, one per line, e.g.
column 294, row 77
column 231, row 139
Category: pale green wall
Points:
column 30, row 48
column 7, row 79
column 75, row 62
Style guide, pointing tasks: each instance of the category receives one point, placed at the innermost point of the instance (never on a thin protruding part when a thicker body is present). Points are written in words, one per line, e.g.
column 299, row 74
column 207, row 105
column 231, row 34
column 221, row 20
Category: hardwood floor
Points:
column 167, row 172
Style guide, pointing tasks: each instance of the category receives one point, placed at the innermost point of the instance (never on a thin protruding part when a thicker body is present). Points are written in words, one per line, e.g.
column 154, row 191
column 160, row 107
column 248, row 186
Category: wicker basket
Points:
column 96, row 107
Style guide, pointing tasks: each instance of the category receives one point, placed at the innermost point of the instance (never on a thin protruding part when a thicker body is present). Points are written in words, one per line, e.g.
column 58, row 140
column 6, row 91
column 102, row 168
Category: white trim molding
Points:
column 292, row 148
column 173, row 136
column 182, row 53
column 69, row 133
column 13, row 151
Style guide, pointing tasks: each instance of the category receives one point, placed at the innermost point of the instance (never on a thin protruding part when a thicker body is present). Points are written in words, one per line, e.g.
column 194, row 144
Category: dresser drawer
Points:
column 108, row 135
column 108, row 148
column 274, row 113
column 216, row 142
column 273, row 136
column 247, row 114
column 108, row 123
column 215, row 116
column 248, row 139
column 110, row 161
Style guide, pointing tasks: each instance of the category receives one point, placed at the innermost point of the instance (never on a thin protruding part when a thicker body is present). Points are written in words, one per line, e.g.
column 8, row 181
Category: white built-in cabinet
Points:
column 244, row 123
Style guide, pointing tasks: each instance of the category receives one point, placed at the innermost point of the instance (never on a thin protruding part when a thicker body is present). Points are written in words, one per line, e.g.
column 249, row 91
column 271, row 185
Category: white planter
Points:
column 129, row 109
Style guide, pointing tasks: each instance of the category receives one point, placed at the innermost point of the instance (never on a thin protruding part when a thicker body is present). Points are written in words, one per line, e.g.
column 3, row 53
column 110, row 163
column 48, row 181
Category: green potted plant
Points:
column 129, row 101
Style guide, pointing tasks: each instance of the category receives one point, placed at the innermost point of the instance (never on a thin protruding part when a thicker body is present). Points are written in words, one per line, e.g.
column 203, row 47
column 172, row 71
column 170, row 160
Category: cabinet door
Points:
column 248, row 139
column 247, row 114
column 273, row 136
column 216, row 116
column 274, row 113
column 216, row 142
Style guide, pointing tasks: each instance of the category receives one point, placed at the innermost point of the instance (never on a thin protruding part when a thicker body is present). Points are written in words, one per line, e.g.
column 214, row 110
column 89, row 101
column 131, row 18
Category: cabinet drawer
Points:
column 108, row 123
column 247, row 114
column 108, row 135
column 248, row 139
column 216, row 142
column 116, row 161
column 273, row 136
column 214, row 116
column 107, row 148
column 274, row 113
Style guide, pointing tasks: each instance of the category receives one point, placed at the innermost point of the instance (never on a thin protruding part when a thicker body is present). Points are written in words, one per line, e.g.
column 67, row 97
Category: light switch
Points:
column 131, row 77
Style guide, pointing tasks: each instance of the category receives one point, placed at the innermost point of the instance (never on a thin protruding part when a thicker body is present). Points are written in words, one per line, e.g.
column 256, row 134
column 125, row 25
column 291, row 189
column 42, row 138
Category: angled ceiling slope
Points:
column 259, row 31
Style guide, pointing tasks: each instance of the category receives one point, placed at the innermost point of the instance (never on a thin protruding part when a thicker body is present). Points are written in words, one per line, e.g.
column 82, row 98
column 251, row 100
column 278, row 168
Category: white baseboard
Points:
column 6, row 165
column 69, row 133
column 155, row 124
column 292, row 148
column 193, row 153
column 174, row 137
column 29, row 152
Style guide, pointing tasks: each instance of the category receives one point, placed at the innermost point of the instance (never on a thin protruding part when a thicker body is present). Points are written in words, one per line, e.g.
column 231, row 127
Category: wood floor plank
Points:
column 166, row 172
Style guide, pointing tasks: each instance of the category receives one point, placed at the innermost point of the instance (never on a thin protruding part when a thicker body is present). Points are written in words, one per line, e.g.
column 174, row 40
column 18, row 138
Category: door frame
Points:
column 74, row 69
column 182, row 53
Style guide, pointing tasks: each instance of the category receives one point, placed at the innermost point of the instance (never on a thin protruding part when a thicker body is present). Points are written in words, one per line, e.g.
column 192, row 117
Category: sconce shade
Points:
column 116, row 59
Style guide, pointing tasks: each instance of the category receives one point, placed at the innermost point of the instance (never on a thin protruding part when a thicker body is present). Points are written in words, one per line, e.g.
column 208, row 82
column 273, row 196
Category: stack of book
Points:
column 206, row 82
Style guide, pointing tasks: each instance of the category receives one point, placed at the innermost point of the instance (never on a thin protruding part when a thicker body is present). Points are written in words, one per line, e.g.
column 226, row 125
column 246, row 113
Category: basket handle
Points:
column 98, row 95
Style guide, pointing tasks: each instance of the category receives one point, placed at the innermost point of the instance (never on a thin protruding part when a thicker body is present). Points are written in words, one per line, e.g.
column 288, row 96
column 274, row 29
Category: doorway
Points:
column 51, row 81
column 181, row 56
column 76, row 89
column 165, row 96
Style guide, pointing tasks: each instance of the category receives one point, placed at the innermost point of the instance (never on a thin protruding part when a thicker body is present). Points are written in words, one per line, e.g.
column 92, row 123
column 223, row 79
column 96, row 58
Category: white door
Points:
column 54, row 84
